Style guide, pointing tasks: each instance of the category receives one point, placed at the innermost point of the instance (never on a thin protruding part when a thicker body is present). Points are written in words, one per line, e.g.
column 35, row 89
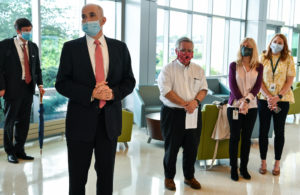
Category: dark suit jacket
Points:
column 11, row 70
column 76, row 80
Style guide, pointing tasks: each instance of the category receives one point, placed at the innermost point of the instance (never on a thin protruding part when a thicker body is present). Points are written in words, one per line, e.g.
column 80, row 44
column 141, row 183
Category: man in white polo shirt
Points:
column 183, row 86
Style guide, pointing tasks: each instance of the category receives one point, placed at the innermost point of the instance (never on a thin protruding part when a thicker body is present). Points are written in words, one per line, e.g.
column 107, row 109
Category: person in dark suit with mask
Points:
column 95, row 74
column 20, row 71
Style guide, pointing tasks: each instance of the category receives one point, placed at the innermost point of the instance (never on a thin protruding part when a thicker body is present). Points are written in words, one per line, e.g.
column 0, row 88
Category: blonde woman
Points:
column 275, row 96
column 245, row 78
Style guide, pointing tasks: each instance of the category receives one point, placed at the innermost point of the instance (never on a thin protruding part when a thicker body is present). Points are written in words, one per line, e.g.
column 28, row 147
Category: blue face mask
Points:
column 276, row 48
column 246, row 51
column 91, row 28
column 26, row 35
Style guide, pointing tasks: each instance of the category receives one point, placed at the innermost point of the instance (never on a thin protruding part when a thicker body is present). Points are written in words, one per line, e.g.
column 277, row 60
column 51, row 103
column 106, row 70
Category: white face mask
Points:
column 276, row 48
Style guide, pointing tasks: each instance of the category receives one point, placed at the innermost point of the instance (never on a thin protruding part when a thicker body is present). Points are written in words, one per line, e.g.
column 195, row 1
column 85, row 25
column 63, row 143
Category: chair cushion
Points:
column 223, row 96
column 210, row 98
column 213, row 84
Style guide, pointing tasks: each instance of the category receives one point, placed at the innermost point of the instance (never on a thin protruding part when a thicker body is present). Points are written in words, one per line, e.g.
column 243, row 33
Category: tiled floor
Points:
column 139, row 171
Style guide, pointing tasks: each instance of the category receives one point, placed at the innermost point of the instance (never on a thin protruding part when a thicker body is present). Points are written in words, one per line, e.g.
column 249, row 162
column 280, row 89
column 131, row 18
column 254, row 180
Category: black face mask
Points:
column 246, row 51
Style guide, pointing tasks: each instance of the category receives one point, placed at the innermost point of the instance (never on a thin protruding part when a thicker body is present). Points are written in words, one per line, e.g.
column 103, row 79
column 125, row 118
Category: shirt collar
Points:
column 90, row 40
column 183, row 64
column 19, row 41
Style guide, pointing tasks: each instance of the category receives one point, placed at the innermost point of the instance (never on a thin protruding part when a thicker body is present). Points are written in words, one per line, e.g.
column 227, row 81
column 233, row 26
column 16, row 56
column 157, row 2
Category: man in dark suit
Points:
column 20, row 71
column 95, row 74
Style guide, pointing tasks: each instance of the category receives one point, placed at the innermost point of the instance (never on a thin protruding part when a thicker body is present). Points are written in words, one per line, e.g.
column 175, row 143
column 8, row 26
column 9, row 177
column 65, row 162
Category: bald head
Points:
column 94, row 6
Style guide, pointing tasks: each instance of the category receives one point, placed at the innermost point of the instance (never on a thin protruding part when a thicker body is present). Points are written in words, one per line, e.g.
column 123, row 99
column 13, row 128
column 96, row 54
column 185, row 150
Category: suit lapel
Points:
column 110, row 52
column 86, row 57
column 31, row 55
column 15, row 53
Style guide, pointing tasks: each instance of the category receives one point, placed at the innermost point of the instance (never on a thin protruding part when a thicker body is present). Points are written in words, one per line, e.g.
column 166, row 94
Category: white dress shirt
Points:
column 19, row 45
column 245, row 82
column 92, row 46
column 185, row 81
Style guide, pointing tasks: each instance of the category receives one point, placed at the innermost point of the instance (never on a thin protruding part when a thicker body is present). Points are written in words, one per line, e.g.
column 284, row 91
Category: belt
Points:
column 175, row 108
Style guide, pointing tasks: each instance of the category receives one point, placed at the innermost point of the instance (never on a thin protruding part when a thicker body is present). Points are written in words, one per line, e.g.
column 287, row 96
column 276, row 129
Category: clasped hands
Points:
column 272, row 102
column 243, row 108
column 102, row 91
column 190, row 106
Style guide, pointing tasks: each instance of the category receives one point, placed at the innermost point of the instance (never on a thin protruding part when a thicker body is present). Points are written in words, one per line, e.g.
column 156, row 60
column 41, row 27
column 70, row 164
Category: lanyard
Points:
column 274, row 69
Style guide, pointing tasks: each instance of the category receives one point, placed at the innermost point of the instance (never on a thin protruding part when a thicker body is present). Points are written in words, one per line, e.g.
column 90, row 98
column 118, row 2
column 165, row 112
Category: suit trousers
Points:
column 175, row 136
column 243, row 128
column 265, row 115
column 79, row 160
column 17, row 116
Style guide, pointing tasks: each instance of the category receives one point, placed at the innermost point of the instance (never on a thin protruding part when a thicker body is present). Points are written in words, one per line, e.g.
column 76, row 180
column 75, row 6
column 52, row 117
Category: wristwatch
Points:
column 198, row 101
column 247, row 100
column 280, row 96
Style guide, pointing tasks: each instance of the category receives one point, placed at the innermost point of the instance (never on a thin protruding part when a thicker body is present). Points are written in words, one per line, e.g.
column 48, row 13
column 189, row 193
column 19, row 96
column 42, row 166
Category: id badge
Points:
column 235, row 114
column 272, row 87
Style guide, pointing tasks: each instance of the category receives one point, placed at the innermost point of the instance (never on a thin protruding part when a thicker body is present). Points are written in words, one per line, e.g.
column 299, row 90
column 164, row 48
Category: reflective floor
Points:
column 139, row 170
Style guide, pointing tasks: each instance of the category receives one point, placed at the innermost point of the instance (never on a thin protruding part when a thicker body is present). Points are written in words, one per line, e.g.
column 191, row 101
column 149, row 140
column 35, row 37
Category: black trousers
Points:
column 17, row 116
column 265, row 115
column 243, row 128
column 79, row 160
column 175, row 136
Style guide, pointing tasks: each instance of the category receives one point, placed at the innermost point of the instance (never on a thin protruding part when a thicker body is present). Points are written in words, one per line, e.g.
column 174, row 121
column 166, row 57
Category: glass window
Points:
column 200, row 39
column 178, row 28
column 238, row 9
column 294, row 47
column 220, row 7
column 208, row 32
column 288, row 32
column 162, row 2
column 217, row 46
column 270, row 35
column 60, row 22
column 242, row 30
column 287, row 13
column 297, row 13
column 234, row 40
column 160, row 41
column 179, row 4
column 201, row 6
column 273, row 9
column 10, row 10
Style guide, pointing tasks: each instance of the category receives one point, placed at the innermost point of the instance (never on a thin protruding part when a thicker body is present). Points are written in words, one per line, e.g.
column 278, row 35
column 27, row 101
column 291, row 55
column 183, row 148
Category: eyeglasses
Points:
column 186, row 50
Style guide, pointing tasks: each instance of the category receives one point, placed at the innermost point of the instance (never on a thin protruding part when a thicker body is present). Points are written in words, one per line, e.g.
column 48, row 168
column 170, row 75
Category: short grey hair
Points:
column 183, row 39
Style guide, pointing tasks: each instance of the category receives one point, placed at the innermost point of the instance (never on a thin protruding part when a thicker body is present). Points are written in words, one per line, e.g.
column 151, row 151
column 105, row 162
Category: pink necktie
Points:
column 26, row 65
column 99, row 69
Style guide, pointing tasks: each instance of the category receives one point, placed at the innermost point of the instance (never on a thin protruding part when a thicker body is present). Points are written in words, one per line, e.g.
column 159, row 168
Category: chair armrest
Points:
column 224, row 89
column 138, row 108
column 138, row 98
